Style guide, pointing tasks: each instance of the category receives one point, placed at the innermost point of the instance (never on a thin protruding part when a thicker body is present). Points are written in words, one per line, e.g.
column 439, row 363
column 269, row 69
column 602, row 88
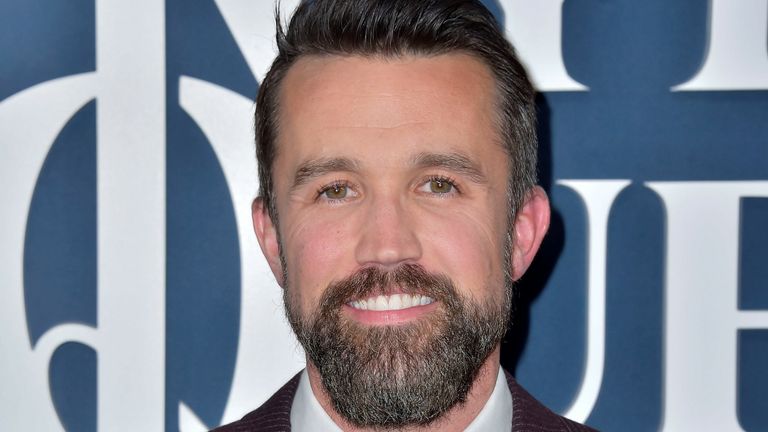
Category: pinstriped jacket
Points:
column 529, row 414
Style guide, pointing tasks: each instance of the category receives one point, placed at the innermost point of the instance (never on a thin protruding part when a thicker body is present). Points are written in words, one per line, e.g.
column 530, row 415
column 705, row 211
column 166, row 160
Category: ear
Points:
column 531, row 223
column 266, row 233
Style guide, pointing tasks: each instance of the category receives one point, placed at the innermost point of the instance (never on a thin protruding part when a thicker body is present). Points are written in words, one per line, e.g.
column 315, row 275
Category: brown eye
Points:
column 336, row 192
column 440, row 186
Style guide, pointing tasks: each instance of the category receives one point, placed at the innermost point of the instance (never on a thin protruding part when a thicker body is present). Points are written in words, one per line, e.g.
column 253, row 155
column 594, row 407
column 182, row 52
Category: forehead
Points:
column 362, row 103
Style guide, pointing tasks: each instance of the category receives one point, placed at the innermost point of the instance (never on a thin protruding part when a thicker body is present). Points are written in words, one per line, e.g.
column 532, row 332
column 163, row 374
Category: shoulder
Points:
column 273, row 416
column 530, row 415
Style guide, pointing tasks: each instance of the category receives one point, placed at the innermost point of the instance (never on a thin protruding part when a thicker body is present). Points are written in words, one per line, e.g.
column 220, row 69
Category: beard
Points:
column 390, row 376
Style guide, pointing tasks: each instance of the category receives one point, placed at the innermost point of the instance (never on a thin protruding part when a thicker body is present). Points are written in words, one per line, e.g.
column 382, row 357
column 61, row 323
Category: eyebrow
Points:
column 455, row 162
column 314, row 168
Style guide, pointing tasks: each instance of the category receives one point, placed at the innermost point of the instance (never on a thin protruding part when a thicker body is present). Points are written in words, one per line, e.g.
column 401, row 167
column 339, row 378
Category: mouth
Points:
column 390, row 309
column 391, row 302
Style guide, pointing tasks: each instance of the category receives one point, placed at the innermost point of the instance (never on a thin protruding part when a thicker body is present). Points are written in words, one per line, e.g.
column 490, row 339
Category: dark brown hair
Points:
column 392, row 28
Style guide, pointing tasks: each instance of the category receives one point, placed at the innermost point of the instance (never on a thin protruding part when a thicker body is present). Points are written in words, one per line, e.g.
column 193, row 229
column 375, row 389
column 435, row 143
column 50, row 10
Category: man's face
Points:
column 382, row 162
column 390, row 186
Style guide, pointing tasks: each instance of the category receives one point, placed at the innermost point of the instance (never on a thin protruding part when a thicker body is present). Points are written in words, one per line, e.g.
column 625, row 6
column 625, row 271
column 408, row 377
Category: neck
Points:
column 455, row 419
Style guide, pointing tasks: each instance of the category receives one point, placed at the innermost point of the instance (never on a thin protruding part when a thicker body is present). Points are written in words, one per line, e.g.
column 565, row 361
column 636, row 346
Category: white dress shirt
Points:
column 308, row 416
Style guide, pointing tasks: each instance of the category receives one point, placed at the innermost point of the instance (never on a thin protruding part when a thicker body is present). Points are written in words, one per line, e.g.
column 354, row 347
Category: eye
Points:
column 438, row 185
column 336, row 191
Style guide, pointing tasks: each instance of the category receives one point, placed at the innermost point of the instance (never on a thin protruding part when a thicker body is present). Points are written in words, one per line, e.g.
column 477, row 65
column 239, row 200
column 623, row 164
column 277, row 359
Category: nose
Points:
column 388, row 235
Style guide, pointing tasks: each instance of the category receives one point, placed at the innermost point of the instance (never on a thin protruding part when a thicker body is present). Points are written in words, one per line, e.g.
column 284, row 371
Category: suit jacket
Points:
column 529, row 414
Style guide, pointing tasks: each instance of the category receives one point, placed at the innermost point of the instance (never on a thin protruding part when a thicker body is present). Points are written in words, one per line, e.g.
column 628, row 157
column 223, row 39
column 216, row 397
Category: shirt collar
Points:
column 308, row 415
column 306, row 412
column 496, row 415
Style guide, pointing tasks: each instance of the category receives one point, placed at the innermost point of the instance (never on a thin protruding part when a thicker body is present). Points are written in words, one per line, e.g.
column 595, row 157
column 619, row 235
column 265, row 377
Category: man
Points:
column 398, row 205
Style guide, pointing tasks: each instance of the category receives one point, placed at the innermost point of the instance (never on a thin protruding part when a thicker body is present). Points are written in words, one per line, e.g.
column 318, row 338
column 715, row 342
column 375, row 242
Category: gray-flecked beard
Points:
column 390, row 376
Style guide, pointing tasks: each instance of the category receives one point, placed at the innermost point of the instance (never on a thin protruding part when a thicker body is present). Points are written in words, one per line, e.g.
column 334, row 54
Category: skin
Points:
column 387, row 204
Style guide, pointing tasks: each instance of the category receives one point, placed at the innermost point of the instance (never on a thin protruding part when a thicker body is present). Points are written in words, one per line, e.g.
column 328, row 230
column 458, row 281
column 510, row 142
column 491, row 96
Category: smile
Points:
column 391, row 302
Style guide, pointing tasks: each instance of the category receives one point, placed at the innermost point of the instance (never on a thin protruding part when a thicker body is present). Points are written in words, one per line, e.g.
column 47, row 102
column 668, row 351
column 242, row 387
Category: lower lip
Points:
column 389, row 317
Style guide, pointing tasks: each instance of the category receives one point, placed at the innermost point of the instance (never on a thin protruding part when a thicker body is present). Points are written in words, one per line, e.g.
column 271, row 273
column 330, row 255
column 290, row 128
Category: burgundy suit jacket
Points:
column 529, row 414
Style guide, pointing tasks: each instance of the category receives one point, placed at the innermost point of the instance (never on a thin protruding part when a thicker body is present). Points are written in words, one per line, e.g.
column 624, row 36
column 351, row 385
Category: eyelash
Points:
column 346, row 184
column 443, row 179
column 334, row 184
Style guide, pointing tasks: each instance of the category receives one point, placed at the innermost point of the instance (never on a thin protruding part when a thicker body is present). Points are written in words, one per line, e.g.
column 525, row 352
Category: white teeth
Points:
column 416, row 300
column 391, row 302
column 406, row 300
column 395, row 302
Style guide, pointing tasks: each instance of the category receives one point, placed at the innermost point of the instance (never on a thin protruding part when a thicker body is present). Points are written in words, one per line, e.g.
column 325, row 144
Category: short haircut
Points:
column 395, row 28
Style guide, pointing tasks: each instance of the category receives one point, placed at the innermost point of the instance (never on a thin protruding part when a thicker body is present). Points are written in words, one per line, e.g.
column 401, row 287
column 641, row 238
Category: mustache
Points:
column 369, row 281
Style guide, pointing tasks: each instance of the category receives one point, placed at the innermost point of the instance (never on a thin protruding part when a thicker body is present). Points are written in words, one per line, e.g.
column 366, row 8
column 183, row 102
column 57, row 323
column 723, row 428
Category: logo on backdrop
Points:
column 129, row 84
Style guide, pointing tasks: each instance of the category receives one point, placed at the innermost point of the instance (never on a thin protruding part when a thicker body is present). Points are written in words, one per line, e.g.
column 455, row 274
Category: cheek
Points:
column 470, row 250
column 315, row 255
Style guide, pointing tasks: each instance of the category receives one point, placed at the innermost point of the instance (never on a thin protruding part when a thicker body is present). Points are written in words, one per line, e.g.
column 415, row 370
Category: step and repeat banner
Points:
column 133, row 295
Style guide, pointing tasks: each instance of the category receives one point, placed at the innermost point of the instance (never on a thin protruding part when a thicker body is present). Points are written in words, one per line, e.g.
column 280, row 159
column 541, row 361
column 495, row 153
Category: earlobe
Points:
column 266, row 233
column 531, row 224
